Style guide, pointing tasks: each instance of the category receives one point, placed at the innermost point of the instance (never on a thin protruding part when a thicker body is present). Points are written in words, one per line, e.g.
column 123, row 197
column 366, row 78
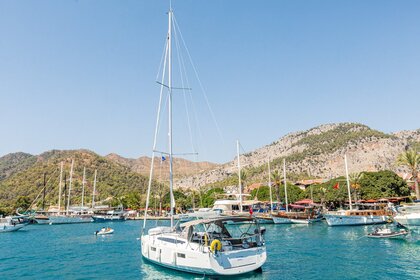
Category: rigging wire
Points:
column 200, row 83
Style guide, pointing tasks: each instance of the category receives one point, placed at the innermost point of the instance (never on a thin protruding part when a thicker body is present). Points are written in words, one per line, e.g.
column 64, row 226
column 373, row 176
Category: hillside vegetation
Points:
column 13, row 163
column 113, row 180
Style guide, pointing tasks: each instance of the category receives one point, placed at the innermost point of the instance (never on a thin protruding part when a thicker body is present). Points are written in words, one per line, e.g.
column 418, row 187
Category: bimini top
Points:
column 215, row 220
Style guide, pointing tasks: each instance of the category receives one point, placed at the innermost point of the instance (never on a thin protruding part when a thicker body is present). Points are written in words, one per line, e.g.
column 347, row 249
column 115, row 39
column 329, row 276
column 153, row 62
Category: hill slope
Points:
column 319, row 152
column 113, row 179
column 182, row 167
column 15, row 162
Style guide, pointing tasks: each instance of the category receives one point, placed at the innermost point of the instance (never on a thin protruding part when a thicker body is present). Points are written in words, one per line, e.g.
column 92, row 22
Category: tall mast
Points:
column 71, row 178
column 43, row 196
column 170, row 114
column 269, row 184
column 348, row 181
column 239, row 175
column 285, row 185
column 59, row 188
column 94, row 189
column 149, row 186
column 83, row 186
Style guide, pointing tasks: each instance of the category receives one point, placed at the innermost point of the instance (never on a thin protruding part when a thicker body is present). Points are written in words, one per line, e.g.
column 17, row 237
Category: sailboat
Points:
column 282, row 217
column 203, row 246
column 302, row 212
column 374, row 214
column 70, row 215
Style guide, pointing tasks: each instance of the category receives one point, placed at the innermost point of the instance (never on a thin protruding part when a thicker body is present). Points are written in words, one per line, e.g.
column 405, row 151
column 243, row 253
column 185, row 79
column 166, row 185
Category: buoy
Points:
column 215, row 246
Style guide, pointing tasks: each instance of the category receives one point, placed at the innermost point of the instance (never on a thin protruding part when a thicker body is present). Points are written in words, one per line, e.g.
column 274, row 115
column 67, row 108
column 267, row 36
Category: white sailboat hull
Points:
column 193, row 258
column 410, row 219
column 280, row 220
column 343, row 220
column 63, row 219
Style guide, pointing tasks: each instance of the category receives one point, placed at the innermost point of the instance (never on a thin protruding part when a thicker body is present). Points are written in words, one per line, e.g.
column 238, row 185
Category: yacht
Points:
column 109, row 215
column 208, row 246
column 364, row 214
column 408, row 215
column 202, row 246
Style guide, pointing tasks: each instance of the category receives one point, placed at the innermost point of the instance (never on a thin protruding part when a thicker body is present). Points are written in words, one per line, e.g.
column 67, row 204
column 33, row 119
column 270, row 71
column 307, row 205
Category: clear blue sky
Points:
column 81, row 74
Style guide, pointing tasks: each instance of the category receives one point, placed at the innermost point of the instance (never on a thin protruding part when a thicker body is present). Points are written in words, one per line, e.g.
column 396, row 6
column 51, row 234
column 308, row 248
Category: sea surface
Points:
column 294, row 252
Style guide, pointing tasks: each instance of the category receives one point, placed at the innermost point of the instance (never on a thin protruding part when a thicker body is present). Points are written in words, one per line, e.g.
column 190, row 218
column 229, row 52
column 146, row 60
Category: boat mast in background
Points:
column 239, row 176
column 269, row 184
column 285, row 185
column 43, row 196
column 83, row 186
column 348, row 181
column 94, row 189
column 71, row 178
column 59, row 188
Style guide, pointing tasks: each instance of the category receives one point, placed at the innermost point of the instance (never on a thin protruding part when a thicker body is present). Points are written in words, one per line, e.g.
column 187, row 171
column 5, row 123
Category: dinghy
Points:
column 388, row 233
column 104, row 231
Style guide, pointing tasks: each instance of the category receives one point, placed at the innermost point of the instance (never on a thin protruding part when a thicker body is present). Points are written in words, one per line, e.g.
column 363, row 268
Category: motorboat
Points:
column 104, row 231
column 9, row 223
column 408, row 215
column 208, row 246
column 388, row 233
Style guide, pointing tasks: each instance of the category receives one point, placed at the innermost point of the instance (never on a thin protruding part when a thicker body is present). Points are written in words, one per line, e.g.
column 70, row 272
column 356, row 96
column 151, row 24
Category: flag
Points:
column 336, row 186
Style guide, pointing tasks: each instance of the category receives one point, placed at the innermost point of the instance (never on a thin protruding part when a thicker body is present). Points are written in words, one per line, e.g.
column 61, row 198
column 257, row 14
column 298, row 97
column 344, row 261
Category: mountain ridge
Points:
column 317, row 152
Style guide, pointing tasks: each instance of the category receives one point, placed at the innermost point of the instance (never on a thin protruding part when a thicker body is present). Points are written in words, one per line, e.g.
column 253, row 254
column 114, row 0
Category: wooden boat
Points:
column 388, row 233
column 366, row 214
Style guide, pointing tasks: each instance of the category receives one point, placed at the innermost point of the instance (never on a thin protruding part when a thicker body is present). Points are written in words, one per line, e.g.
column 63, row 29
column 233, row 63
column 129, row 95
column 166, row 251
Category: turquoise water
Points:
column 294, row 252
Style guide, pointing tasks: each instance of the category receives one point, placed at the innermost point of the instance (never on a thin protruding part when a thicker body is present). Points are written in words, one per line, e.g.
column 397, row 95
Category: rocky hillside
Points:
column 182, row 167
column 317, row 152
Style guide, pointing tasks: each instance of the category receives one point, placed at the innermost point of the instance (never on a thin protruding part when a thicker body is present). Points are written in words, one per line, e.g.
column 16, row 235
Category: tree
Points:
column 210, row 196
column 374, row 185
column 244, row 177
column 23, row 203
column 354, row 179
column 263, row 193
column 411, row 159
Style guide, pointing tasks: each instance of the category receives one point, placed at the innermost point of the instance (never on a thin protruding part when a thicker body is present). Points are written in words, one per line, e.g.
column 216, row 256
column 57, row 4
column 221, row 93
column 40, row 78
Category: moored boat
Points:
column 104, row 231
column 9, row 223
column 207, row 246
column 355, row 217
column 408, row 215
column 109, row 215
column 387, row 233
column 203, row 246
